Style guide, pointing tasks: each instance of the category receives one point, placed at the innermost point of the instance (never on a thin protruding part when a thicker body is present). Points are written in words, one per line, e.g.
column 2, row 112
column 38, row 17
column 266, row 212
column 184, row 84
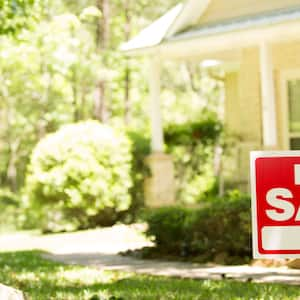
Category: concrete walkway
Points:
column 110, row 240
column 100, row 248
column 181, row 269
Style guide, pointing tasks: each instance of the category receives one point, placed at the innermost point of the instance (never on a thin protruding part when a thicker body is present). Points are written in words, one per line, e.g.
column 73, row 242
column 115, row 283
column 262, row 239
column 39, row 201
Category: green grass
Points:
column 45, row 280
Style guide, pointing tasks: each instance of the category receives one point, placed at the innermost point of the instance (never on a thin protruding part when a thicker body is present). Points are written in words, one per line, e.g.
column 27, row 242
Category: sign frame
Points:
column 254, row 216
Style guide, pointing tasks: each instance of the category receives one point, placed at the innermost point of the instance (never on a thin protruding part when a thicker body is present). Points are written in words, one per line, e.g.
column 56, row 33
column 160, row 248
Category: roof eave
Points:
column 152, row 35
column 175, row 20
column 141, row 51
column 236, row 39
column 248, row 26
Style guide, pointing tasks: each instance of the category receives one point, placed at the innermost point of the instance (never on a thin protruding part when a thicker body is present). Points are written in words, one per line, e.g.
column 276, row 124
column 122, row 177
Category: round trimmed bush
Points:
column 80, row 175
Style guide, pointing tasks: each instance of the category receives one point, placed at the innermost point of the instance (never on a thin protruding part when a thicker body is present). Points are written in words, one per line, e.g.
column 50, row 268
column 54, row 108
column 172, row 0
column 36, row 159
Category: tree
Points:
column 16, row 14
column 69, row 68
column 37, row 91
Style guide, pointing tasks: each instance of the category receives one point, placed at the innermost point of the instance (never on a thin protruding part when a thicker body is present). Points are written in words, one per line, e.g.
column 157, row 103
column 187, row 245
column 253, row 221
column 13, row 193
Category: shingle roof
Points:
column 243, row 23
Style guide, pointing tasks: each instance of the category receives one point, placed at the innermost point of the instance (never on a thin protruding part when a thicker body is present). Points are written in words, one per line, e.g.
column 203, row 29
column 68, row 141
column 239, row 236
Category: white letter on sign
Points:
column 286, row 206
column 297, row 174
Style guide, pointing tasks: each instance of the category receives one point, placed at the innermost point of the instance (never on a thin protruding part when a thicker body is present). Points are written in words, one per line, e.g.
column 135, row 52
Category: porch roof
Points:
column 247, row 22
column 157, row 33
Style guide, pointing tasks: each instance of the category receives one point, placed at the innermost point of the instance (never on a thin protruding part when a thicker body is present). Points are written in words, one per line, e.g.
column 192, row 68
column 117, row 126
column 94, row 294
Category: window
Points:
column 293, row 89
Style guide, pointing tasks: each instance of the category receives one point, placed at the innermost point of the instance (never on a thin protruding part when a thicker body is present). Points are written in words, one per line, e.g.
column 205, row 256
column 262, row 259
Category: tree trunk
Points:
column 127, row 104
column 102, row 45
column 13, row 146
column 82, row 104
column 99, row 102
column 75, row 96
column 12, row 165
column 127, row 31
column 102, row 34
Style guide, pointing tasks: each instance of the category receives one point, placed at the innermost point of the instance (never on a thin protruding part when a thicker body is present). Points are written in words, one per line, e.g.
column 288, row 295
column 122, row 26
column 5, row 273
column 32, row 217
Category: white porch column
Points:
column 159, row 187
column 157, row 141
column 268, row 97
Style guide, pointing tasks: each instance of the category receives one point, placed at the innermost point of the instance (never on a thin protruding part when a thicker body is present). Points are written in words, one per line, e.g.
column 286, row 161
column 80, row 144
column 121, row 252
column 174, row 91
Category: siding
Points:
column 243, row 115
column 243, row 102
column 249, row 94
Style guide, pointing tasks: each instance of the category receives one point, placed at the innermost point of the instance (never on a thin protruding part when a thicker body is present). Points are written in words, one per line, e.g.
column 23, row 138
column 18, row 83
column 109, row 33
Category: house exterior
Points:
column 257, row 43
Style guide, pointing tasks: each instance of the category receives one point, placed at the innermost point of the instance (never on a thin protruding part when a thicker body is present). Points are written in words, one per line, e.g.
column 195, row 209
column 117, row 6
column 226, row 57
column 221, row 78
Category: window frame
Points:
column 286, row 76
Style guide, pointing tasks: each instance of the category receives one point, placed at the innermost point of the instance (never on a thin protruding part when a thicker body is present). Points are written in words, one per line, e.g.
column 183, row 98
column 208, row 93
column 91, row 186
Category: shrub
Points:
column 205, row 130
column 8, row 198
column 9, row 210
column 192, row 146
column 167, row 226
column 222, row 226
column 80, row 175
column 140, row 150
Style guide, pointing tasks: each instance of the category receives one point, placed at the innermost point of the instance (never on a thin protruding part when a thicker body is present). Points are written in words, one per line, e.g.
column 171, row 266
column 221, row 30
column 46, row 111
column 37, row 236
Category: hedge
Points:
column 222, row 226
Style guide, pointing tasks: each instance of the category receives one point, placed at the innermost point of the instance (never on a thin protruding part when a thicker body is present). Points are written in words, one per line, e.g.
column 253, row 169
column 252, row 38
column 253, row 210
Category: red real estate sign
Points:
column 275, row 193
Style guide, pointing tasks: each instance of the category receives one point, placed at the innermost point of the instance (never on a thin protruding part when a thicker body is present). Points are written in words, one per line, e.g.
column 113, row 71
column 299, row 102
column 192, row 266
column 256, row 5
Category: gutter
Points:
column 238, row 33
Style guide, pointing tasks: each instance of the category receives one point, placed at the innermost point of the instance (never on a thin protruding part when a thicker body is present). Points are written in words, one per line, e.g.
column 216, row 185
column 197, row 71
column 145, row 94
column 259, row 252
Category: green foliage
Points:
column 8, row 198
column 80, row 172
column 43, row 279
column 192, row 145
column 37, row 95
column 15, row 14
column 222, row 226
column 140, row 149
column 205, row 131
column 167, row 225
column 9, row 210
column 50, row 76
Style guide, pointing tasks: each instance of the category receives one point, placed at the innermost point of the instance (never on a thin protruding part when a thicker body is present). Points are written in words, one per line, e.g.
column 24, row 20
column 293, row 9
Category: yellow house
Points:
column 258, row 45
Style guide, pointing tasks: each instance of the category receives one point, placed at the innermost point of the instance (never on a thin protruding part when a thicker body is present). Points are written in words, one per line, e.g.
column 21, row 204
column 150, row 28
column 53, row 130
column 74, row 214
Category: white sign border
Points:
column 253, row 156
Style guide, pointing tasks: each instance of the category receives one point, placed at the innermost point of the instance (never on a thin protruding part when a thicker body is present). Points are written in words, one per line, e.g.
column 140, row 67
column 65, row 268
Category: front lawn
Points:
column 45, row 280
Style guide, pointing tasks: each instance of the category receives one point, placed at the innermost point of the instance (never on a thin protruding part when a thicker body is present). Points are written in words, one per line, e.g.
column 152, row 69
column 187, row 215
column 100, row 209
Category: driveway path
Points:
column 99, row 248
column 110, row 240
column 181, row 269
